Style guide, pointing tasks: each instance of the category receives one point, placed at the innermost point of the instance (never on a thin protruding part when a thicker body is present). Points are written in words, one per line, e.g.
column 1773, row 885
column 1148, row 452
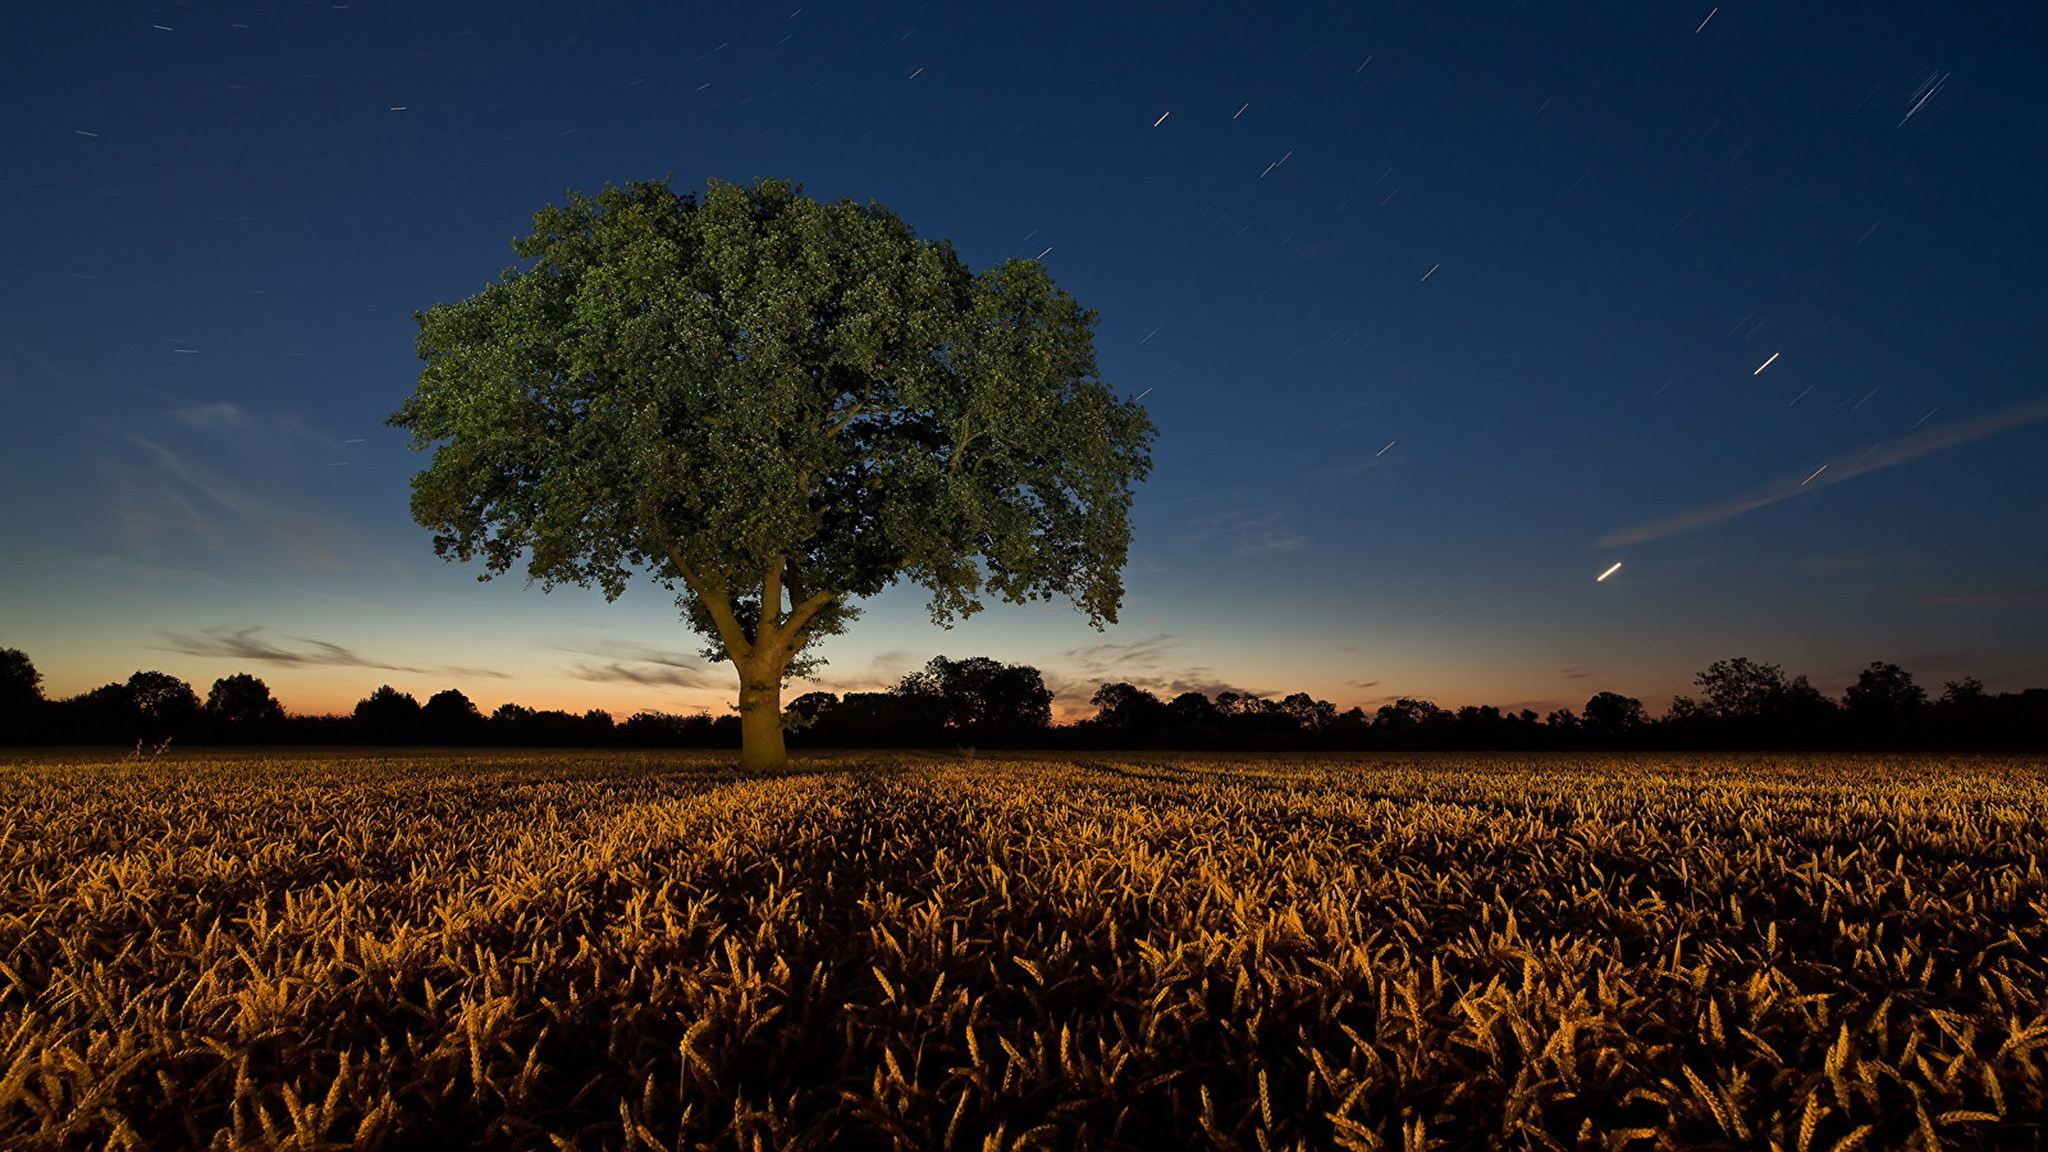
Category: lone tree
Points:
column 775, row 407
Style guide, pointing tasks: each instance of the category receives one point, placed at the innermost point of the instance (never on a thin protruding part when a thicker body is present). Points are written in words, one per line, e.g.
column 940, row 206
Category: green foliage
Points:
column 756, row 394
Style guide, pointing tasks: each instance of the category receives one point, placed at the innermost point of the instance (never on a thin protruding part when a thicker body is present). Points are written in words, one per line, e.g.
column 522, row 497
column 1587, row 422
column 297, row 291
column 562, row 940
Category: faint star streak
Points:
column 1935, row 82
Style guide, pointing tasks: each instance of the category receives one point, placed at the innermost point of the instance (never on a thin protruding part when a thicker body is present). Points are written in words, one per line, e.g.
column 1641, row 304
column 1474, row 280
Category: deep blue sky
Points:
column 1442, row 308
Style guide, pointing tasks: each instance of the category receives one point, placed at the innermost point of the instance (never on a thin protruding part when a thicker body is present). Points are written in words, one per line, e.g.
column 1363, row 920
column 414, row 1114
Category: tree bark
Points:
column 763, row 658
column 761, row 744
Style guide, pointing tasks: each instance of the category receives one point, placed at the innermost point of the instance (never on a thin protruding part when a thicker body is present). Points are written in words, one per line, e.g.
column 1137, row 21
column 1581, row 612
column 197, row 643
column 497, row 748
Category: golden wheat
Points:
column 643, row 950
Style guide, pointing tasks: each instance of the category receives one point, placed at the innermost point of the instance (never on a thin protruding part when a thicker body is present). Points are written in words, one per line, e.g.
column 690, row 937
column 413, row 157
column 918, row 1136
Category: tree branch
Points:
column 802, row 614
column 717, row 601
column 859, row 406
column 771, row 595
column 960, row 446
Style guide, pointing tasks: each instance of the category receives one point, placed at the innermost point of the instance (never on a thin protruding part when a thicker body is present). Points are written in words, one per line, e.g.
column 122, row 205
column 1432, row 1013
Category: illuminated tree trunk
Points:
column 761, row 744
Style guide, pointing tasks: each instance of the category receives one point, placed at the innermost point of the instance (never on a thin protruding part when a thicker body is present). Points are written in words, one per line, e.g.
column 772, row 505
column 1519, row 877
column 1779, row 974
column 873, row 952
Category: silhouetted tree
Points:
column 1128, row 715
column 1192, row 708
column 20, row 683
column 1249, row 720
column 1965, row 691
column 1192, row 722
column 1884, row 690
column 1610, row 716
column 1409, row 723
column 450, row 717
column 21, row 697
column 1751, row 703
column 980, row 698
column 1742, row 689
column 1804, row 710
column 510, row 724
column 242, row 708
column 811, row 705
column 1968, row 716
column 1351, row 729
column 1236, row 703
column 166, row 706
column 877, row 720
column 388, row 716
column 107, row 714
column 1308, row 713
column 547, row 728
column 1405, row 713
column 664, row 730
column 1884, row 705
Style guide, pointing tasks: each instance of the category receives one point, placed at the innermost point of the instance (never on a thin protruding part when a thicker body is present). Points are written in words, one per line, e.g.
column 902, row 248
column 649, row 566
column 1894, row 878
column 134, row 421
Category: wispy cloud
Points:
column 651, row 675
column 1834, row 472
column 629, row 650
column 1137, row 663
column 1245, row 532
column 173, row 496
column 884, row 670
column 138, row 571
column 1096, row 659
column 626, row 661
column 1168, row 685
column 2028, row 596
column 186, row 477
column 213, row 417
column 245, row 644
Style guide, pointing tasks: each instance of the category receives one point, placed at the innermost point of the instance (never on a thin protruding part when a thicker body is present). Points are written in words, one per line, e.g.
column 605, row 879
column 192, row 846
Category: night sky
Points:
column 1442, row 309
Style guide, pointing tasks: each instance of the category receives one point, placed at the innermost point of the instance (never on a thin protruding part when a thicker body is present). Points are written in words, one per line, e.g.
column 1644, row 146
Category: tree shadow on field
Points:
column 772, row 982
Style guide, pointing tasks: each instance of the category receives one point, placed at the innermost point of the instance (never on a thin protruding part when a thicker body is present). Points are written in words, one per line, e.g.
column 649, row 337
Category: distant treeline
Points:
column 980, row 702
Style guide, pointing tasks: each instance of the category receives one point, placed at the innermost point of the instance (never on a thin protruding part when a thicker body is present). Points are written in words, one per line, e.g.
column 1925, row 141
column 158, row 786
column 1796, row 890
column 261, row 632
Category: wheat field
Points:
column 514, row 950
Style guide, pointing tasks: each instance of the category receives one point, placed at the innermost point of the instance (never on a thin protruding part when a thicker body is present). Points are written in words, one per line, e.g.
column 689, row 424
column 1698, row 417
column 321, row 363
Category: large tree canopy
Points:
column 776, row 406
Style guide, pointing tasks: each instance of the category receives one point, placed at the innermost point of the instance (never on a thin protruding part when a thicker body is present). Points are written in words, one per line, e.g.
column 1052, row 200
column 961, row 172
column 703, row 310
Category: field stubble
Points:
column 642, row 950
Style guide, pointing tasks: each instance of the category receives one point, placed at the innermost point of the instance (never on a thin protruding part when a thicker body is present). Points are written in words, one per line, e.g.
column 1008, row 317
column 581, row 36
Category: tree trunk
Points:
column 761, row 746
